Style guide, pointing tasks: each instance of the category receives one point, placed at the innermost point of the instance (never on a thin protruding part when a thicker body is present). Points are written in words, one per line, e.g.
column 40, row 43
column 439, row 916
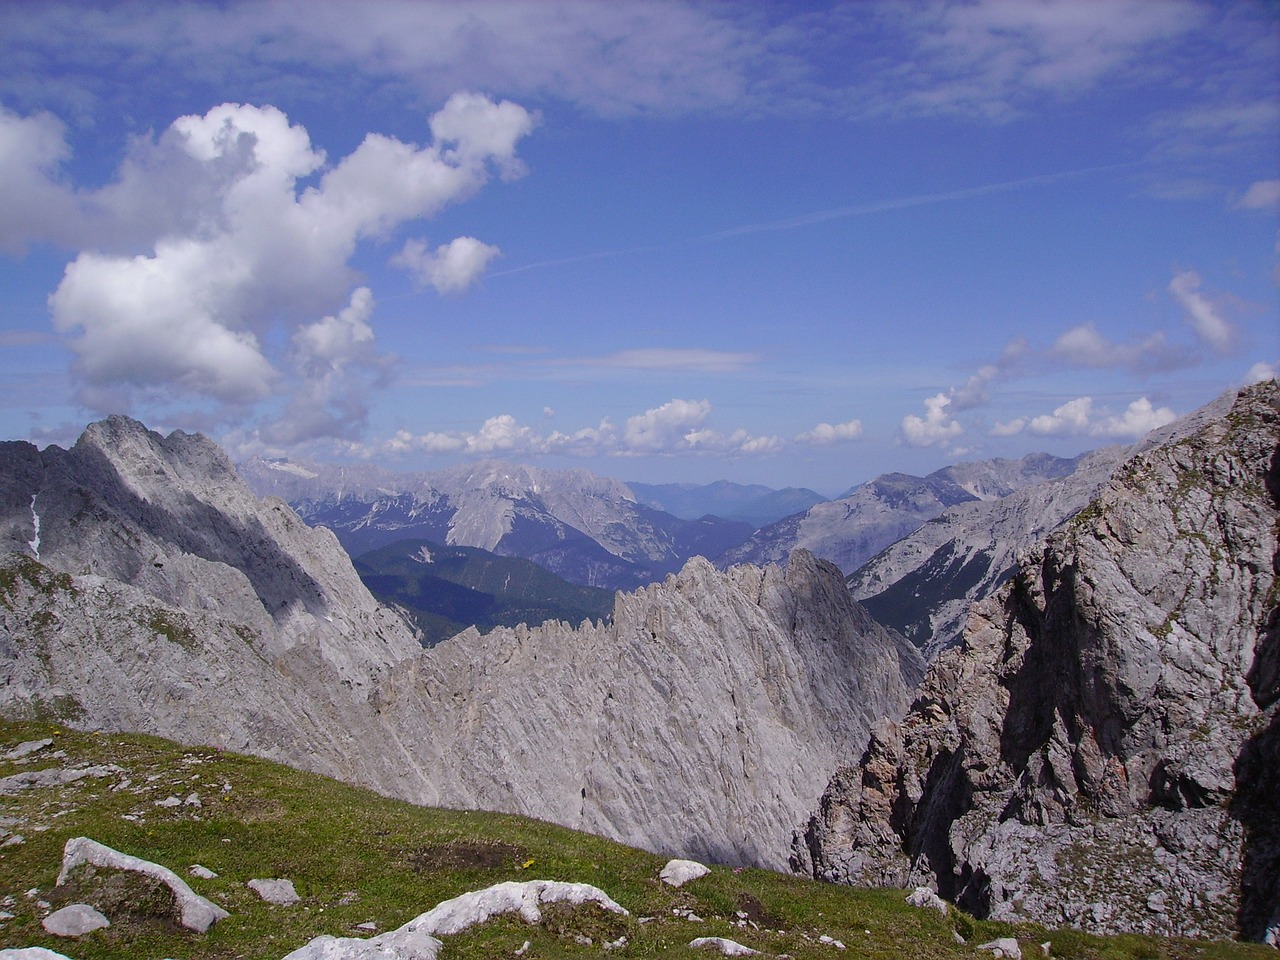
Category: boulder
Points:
column 195, row 912
column 74, row 920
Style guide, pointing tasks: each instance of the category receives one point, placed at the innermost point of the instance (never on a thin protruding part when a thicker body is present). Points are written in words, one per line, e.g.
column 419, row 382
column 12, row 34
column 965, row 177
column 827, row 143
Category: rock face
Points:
column 1102, row 748
column 923, row 584
column 703, row 720
column 148, row 589
column 590, row 530
column 851, row 530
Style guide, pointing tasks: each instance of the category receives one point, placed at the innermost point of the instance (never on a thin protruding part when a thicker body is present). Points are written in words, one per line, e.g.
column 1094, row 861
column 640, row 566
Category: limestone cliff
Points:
column 1102, row 748
column 705, row 719
column 143, row 587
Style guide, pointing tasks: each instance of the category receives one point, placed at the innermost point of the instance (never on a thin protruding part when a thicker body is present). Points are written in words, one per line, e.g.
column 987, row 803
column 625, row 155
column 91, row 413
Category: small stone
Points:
column 368, row 926
column 926, row 899
column 679, row 872
column 192, row 800
column 204, row 873
column 169, row 802
column 1156, row 902
column 279, row 892
column 74, row 921
column 1006, row 947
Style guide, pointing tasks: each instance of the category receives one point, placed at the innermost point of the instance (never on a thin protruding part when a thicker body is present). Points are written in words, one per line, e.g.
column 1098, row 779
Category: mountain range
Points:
column 590, row 530
column 1098, row 748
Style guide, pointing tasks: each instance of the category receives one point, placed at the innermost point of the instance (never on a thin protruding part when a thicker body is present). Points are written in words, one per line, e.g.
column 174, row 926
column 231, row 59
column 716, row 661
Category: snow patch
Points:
column 424, row 556
column 292, row 468
column 34, row 543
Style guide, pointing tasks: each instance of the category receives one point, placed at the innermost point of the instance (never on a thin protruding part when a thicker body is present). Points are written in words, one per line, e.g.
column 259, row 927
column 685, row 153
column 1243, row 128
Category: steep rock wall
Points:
column 1101, row 749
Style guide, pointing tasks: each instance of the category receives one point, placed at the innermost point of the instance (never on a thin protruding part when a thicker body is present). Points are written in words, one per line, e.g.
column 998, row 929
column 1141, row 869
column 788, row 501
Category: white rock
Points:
column 31, row 953
column 203, row 872
column 74, row 921
column 169, row 802
column 277, row 891
column 1006, row 947
column 831, row 942
column 197, row 913
column 926, row 899
column 679, row 872
column 27, row 748
column 416, row 940
column 730, row 948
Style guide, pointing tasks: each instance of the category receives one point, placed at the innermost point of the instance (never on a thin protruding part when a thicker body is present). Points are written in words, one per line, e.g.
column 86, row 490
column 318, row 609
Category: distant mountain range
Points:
column 852, row 529
column 754, row 504
column 590, row 530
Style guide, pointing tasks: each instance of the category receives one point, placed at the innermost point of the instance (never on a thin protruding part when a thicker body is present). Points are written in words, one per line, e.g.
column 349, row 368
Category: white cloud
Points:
column 675, row 427
column 1070, row 419
column 1077, row 418
column 249, row 246
column 665, row 427
column 1138, row 419
column 1206, row 319
column 680, row 360
column 1261, row 371
column 989, row 57
column 825, row 434
column 936, row 426
column 450, row 268
column 35, row 205
column 1261, row 195
column 1085, row 346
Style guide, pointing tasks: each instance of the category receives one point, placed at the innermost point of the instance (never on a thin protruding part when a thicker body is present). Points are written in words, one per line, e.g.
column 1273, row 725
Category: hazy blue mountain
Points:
column 752, row 503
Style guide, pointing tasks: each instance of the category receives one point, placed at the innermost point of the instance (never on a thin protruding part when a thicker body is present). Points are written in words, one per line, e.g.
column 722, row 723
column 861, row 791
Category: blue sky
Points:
column 792, row 244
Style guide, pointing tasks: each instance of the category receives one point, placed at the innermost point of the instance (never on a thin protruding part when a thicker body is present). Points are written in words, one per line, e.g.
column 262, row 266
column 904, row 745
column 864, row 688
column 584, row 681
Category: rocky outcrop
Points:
column 148, row 589
column 1102, row 748
column 703, row 720
column 145, row 588
column 923, row 584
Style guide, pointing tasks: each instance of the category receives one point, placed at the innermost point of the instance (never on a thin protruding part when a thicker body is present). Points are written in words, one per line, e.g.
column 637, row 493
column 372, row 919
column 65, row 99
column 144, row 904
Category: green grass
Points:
column 355, row 857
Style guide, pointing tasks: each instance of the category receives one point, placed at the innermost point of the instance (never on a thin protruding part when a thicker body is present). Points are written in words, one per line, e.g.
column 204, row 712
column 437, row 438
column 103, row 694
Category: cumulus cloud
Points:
column 1138, row 419
column 936, row 426
column 664, row 427
column 451, row 267
column 825, row 434
column 1206, row 319
column 252, row 246
column 1070, row 419
column 1078, row 417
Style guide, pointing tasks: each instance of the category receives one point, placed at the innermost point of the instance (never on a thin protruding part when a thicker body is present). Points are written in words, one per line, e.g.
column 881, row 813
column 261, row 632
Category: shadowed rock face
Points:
column 1101, row 750
column 145, row 588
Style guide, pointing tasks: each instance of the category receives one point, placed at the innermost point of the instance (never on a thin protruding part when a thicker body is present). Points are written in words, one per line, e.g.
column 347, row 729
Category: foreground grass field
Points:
column 358, row 859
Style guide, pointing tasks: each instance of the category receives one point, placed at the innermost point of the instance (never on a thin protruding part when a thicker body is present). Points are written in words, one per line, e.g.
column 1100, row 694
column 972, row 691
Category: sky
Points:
column 792, row 244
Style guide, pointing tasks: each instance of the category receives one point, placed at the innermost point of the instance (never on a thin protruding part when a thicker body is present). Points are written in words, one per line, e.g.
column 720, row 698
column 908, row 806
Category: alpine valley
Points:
column 1046, row 689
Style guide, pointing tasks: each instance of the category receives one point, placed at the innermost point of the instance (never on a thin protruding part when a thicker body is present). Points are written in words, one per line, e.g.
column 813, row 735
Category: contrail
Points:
column 899, row 203
column 837, row 213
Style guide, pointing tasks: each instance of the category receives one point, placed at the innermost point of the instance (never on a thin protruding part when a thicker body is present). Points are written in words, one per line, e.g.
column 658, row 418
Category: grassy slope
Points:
column 355, row 857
